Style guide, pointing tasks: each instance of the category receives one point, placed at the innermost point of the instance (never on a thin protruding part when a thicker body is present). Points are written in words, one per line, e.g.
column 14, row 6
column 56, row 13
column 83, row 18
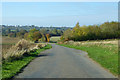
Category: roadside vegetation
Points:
column 22, row 44
column 100, row 41
column 107, row 30
column 19, row 56
column 17, row 52
column 104, row 52
column 7, row 43
column 54, row 39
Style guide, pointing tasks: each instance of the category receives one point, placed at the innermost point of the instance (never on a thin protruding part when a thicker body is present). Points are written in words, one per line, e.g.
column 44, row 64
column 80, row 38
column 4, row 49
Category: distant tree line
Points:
column 15, row 31
column 32, row 33
column 107, row 30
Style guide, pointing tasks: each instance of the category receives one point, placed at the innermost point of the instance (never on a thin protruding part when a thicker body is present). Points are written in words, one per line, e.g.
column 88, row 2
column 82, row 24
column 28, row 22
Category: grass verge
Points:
column 54, row 39
column 106, row 55
column 11, row 68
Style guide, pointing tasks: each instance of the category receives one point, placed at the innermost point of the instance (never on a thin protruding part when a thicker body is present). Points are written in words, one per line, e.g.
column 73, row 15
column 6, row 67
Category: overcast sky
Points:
column 58, row 13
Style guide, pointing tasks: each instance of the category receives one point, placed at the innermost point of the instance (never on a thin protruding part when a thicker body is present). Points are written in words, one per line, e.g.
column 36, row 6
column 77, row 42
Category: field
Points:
column 104, row 52
column 9, row 40
column 55, row 39
column 7, row 43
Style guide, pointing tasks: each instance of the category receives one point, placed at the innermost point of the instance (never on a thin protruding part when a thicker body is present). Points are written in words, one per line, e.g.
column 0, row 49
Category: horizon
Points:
column 53, row 26
column 59, row 13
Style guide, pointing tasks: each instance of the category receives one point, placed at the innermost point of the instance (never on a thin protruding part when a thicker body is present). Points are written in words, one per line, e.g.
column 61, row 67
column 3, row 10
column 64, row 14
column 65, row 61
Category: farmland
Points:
column 9, row 40
column 7, row 43
column 55, row 39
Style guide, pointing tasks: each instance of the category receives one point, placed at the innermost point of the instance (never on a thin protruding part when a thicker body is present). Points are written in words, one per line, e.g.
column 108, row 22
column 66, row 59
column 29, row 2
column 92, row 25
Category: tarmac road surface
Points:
column 62, row 62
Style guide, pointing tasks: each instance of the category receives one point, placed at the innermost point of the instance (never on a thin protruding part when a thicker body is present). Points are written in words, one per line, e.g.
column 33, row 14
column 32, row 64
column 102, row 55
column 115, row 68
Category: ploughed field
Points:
column 7, row 43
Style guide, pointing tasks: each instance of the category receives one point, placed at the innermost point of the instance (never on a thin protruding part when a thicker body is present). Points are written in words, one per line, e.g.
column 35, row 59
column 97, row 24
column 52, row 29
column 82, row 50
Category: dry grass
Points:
column 113, row 42
column 19, row 49
column 110, row 44
column 6, row 47
column 11, row 68
column 7, row 43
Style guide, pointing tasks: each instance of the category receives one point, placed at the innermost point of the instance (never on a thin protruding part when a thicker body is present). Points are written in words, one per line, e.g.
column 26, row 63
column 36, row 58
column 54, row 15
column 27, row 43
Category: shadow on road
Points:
column 42, row 55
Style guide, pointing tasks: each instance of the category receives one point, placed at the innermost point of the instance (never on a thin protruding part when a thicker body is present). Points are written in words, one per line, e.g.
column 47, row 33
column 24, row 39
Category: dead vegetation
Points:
column 114, row 42
column 20, row 48
column 103, row 43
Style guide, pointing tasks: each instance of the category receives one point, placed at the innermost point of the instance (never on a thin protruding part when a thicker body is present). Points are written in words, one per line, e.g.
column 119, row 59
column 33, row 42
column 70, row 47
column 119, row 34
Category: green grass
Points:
column 55, row 39
column 9, row 69
column 106, row 55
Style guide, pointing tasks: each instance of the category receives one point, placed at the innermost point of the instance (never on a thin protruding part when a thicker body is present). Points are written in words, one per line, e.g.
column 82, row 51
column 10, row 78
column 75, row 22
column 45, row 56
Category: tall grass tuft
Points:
column 18, row 50
column 22, row 47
